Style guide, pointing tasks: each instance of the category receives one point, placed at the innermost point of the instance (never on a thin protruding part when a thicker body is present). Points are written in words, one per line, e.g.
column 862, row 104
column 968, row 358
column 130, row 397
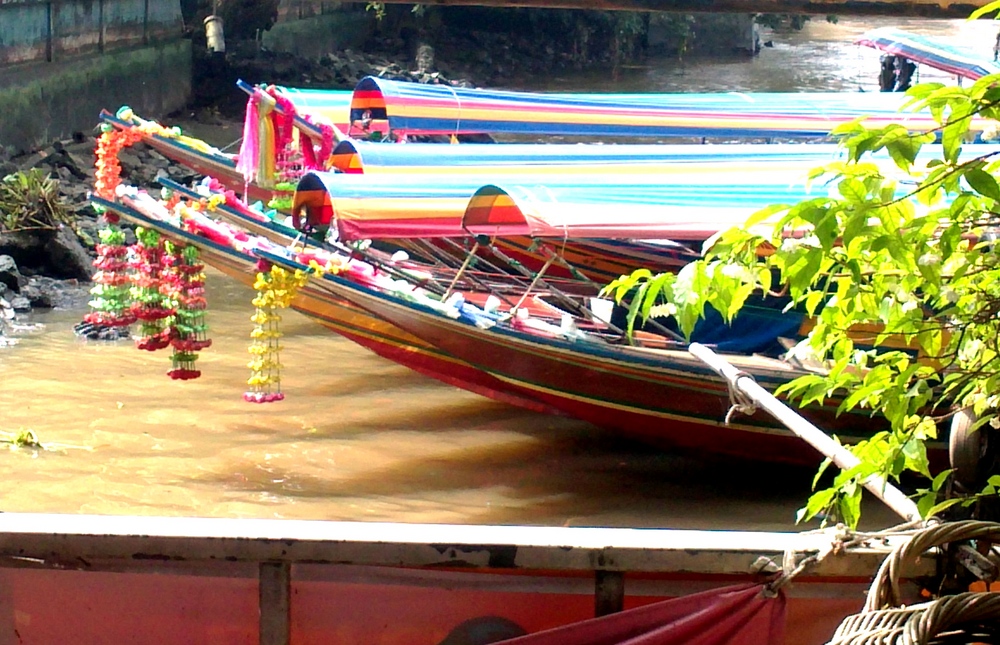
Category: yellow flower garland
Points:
column 275, row 290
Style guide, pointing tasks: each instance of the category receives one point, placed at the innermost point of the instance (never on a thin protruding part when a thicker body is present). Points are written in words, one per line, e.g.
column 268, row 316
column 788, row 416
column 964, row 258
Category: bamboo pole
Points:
column 838, row 454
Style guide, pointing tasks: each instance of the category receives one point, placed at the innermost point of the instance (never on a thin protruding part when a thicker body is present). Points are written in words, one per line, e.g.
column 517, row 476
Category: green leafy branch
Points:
column 896, row 271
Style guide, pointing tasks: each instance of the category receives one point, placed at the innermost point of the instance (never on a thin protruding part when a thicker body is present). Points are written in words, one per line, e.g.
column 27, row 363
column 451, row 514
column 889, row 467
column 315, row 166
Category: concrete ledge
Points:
column 318, row 35
column 47, row 101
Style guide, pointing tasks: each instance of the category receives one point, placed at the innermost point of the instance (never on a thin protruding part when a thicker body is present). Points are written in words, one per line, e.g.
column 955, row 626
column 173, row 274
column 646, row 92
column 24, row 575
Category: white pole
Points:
column 838, row 454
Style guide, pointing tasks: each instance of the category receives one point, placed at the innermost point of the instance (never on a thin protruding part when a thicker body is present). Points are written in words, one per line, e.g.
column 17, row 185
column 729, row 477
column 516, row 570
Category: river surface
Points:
column 360, row 438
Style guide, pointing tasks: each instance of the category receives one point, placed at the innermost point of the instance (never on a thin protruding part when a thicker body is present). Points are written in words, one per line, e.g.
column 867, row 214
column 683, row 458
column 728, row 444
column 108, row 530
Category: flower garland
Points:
column 276, row 288
column 184, row 286
column 149, row 304
column 107, row 168
column 111, row 303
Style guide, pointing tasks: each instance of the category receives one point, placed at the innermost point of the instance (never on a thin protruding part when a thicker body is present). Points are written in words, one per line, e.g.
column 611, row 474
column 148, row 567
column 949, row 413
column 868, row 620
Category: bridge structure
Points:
column 896, row 8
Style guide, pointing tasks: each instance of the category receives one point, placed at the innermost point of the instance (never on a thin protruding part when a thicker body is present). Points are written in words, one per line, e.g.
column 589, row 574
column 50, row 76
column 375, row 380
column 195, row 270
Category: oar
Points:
column 843, row 458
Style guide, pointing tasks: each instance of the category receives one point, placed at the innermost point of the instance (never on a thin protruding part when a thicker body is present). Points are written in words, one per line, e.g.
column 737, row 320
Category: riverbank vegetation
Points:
column 30, row 201
column 900, row 271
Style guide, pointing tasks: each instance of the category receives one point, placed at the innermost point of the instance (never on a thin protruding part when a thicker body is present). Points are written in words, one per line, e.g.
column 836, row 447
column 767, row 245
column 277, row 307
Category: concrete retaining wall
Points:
column 711, row 34
column 62, row 61
column 321, row 28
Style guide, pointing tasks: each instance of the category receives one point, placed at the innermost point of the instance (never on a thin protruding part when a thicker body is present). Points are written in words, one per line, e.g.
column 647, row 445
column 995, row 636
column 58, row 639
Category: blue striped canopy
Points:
column 953, row 59
column 413, row 108
column 353, row 156
column 386, row 206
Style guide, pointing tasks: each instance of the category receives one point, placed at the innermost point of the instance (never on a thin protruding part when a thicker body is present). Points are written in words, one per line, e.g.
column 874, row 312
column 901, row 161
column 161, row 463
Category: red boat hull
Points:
column 668, row 399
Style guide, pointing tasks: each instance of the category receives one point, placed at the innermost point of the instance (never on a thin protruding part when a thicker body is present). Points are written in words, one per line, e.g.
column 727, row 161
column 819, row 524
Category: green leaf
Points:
column 849, row 505
column 915, row 453
column 940, row 479
column 764, row 214
column 812, row 301
column 818, row 502
column 655, row 291
column 943, row 506
column 852, row 190
column 904, row 151
column 983, row 183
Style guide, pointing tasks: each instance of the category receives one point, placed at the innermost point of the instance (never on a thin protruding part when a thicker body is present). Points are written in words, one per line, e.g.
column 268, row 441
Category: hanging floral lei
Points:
column 276, row 288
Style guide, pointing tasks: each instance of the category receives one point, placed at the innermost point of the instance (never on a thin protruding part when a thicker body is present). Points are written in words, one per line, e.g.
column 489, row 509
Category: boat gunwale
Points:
column 27, row 536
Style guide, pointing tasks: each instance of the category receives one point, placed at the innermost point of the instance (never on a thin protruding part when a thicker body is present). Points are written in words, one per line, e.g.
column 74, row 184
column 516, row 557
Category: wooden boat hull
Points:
column 352, row 322
column 665, row 398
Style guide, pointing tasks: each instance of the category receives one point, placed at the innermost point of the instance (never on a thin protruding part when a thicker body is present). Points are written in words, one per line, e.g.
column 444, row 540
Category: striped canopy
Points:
column 953, row 59
column 355, row 156
column 332, row 105
column 695, row 191
column 682, row 213
column 412, row 108
column 401, row 206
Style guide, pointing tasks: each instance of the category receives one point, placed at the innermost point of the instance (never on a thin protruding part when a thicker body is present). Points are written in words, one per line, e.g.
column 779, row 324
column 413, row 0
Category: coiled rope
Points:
column 960, row 618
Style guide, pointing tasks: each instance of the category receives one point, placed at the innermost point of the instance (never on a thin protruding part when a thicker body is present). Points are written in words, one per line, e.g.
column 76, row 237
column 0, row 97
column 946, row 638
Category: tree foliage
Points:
column 898, row 271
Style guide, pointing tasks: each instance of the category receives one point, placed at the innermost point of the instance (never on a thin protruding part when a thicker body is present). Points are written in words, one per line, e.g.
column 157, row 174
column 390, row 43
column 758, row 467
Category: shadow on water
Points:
column 581, row 477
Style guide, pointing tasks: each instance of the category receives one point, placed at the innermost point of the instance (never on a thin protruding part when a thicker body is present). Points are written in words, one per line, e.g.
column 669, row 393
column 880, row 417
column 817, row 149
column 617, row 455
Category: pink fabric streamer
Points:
column 312, row 158
column 246, row 163
column 736, row 615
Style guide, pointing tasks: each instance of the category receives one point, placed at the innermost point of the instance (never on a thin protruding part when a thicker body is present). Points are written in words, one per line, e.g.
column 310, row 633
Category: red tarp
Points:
column 738, row 615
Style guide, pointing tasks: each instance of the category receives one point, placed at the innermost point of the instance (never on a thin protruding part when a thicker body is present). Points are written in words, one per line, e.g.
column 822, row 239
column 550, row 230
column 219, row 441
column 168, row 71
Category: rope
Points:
column 959, row 618
column 739, row 401
column 885, row 590
column 842, row 540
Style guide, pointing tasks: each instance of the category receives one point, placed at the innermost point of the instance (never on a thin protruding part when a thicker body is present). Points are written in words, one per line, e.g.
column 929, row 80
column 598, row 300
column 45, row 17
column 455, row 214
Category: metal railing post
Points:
column 609, row 592
column 50, row 10
column 274, row 598
column 101, row 29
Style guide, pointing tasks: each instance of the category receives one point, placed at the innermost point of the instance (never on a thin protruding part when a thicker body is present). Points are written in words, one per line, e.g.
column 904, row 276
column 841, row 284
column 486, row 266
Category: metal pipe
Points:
column 838, row 454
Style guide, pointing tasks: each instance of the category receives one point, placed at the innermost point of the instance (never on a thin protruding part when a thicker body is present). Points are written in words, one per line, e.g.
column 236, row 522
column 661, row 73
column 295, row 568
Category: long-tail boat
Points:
column 408, row 335
column 401, row 206
column 410, row 108
column 962, row 62
column 662, row 396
